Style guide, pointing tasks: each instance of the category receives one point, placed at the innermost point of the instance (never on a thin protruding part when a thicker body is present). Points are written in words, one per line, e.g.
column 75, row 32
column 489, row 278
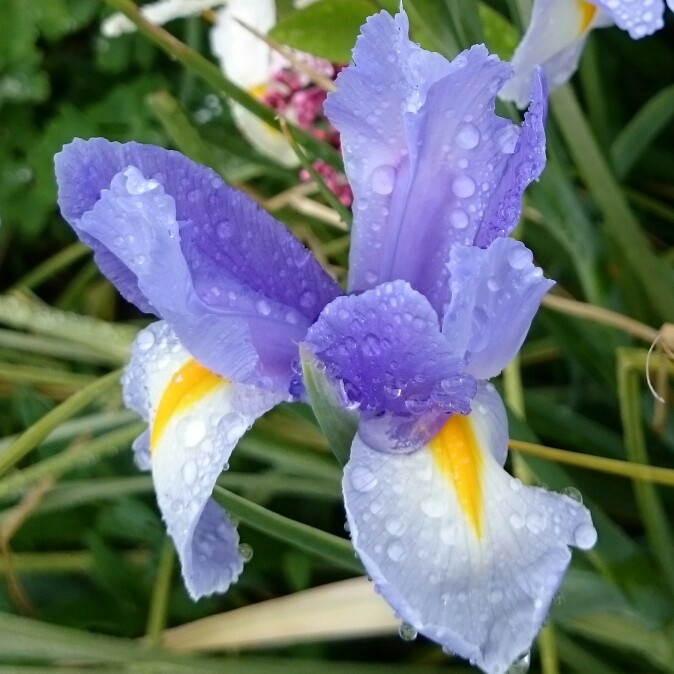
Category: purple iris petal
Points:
column 236, row 286
column 495, row 295
column 429, row 162
column 385, row 346
column 637, row 17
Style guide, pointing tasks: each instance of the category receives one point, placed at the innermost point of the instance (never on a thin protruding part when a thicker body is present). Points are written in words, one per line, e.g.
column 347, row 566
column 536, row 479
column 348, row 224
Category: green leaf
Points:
column 499, row 34
column 338, row 424
column 641, row 131
column 327, row 29
column 333, row 549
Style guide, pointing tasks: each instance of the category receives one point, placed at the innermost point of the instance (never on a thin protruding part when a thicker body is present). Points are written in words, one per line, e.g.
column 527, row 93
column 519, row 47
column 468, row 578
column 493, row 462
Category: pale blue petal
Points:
column 188, row 455
column 482, row 596
column 638, row 17
column 495, row 293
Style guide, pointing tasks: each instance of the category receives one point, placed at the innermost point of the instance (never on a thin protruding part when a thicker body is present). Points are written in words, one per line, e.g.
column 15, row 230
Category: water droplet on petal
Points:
column 363, row 479
column 383, row 179
column 145, row 340
column 536, row 522
column 407, row 632
column 395, row 551
column 307, row 299
column 585, row 536
column 467, row 137
column 263, row 307
column 521, row 665
column 194, row 432
column 189, row 472
column 516, row 521
column 246, row 552
column 463, row 186
column 573, row 493
column 458, row 218
column 519, row 257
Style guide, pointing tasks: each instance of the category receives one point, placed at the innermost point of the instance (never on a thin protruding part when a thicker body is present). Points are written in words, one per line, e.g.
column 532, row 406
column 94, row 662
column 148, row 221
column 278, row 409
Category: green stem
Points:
column 648, row 500
column 26, row 374
column 655, row 277
column 54, row 264
column 59, row 562
column 32, row 437
column 66, row 461
column 158, row 615
column 333, row 549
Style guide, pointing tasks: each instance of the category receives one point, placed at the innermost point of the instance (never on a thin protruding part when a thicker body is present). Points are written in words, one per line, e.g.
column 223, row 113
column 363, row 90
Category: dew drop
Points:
column 194, row 433
column 395, row 551
column 363, row 479
column 458, row 218
column 535, row 522
column 521, row 665
column 145, row 340
column 407, row 632
column 516, row 521
column 233, row 425
column 585, row 536
column 395, row 527
column 573, row 493
column 246, row 552
column 493, row 285
column 189, row 472
column 463, row 186
column 370, row 277
column 467, row 137
column 519, row 257
column 307, row 299
column 263, row 307
column 383, row 179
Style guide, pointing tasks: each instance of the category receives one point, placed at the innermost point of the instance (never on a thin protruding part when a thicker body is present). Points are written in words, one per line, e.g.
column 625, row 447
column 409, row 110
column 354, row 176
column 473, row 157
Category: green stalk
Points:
column 654, row 276
column 53, row 265
column 631, row 364
column 32, row 437
column 333, row 549
column 158, row 615
column 55, row 466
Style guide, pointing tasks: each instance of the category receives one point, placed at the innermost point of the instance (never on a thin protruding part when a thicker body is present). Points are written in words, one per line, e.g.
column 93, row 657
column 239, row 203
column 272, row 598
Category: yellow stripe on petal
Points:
column 258, row 91
column 187, row 387
column 457, row 455
column 587, row 12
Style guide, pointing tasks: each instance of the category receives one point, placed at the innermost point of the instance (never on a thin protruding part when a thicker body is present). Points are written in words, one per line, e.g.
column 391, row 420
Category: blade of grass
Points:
column 45, row 270
column 28, row 440
column 631, row 364
column 655, row 277
column 157, row 617
column 333, row 549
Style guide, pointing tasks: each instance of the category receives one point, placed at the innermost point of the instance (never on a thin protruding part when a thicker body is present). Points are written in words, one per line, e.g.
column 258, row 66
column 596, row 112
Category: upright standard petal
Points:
column 386, row 349
column 495, row 293
column 554, row 41
column 195, row 419
column 464, row 553
column 179, row 242
column 426, row 155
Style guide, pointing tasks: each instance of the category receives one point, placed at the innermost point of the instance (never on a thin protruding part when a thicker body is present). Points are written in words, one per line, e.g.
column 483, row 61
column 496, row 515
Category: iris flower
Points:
column 439, row 301
column 558, row 30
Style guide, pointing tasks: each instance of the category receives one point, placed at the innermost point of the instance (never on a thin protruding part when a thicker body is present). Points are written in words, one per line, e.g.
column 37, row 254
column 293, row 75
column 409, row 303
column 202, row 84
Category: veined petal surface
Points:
column 426, row 155
column 386, row 349
column 495, row 293
column 195, row 420
column 554, row 40
column 177, row 241
column 463, row 552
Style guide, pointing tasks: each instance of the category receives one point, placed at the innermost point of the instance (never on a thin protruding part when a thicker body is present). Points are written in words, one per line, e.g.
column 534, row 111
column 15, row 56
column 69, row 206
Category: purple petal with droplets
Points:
column 236, row 286
column 495, row 295
column 425, row 155
column 385, row 346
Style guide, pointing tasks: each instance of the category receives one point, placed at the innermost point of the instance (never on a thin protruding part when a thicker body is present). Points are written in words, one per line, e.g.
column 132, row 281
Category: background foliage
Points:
column 83, row 548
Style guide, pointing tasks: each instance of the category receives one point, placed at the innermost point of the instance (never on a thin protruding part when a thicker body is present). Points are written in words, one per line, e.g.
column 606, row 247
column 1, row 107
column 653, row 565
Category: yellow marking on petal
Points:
column 587, row 12
column 187, row 387
column 457, row 455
